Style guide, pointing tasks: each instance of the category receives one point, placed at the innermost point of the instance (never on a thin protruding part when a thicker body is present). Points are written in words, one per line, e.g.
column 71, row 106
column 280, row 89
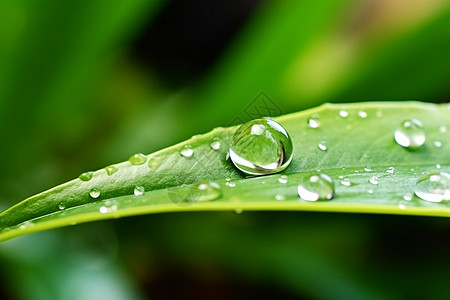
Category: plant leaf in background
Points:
column 353, row 141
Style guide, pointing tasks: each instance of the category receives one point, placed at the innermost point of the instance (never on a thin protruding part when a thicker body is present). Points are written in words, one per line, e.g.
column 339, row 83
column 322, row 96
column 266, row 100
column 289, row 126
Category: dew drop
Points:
column 437, row 144
column 322, row 146
column 94, row 193
column 153, row 164
column 314, row 121
column 346, row 182
column 443, row 129
column 111, row 170
column 367, row 169
column 408, row 197
column 390, row 170
column 86, row 176
column 186, row 151
column 204, row 191
column 316, row 187
column 374, row 180
column 362, row 114
column 103, row 210
column 283, row 179
column 139, row 190
column 343, row 113
column 279, row 197
column 433, row 187
column 215, row 144
column 137, row 159
column 410, row 134
column 61, row 206
column 370, row 191
column 438, row 166
column 379, row 114
column 261, row 147
column 231, row 184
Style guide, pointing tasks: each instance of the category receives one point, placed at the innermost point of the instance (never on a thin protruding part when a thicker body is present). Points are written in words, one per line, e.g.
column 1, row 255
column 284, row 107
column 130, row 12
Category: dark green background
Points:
column 84, row 84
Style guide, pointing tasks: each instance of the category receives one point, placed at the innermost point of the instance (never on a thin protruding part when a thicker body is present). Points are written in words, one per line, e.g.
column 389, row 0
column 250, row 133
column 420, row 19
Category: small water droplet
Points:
column 231, row 184
column 139, row 190
column 367, row 169
column 343, row 113
column 322, row 146
column 280, row 197
column 379, row 114
column 370, row 191
column 374, row 180
column 283, row 179
column 186, row 151
column 438, row 166
column 153, row 164
column 137, row 159
column 437, row 144
column 86, row 176
column 228, row 179
column 362, row 114
column 204, row 191
column 408, row 197
column 314, row 121
column 111, row 170
column 215, row 144
column 25, row 225
column 95, row 193
column 390, row 170
column 433, row 187
column 61, row 206
column 346, row 182
column 316, row 187
column 103, row 209
column 410, row 135
column 261, row 147
column 443, row 129
column 238, row 211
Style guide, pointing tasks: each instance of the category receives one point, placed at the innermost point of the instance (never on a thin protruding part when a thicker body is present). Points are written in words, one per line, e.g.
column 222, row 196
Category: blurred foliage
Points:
column 76, row 94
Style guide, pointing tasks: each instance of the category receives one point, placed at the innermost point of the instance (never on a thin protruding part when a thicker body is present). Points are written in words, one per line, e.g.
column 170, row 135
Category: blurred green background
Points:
column 84, row 84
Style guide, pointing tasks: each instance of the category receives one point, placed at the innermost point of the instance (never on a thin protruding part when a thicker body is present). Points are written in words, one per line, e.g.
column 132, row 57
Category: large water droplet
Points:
column 260, row 147
column 137, row 159
column 316, row 187
column 111, row 170
column 215, row 144
column 94, row 193
column 186, row 151
column 410, row 135
column 139, row 190
column 314, row 121
column 86, row 176
column 433, row 187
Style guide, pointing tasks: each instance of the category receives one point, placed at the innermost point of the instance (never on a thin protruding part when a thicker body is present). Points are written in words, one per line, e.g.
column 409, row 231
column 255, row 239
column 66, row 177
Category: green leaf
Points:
column 353, row 144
